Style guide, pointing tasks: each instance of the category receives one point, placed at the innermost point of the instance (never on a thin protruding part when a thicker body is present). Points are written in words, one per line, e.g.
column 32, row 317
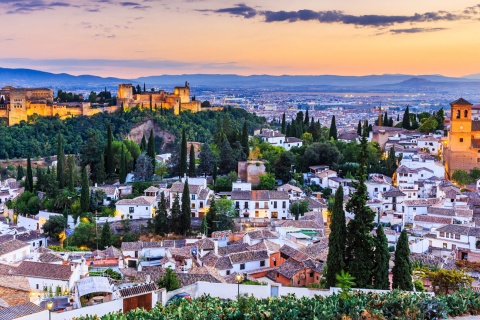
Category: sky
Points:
column 132, row 38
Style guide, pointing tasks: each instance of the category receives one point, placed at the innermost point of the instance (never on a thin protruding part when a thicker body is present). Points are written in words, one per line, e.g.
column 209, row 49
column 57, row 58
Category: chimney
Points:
column 215, row 243
column 147, row 278
column 72, row 267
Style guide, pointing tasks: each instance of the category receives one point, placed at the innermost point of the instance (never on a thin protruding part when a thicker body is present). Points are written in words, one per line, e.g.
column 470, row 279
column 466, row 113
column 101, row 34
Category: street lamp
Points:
column 49, row 306
column 239, row 279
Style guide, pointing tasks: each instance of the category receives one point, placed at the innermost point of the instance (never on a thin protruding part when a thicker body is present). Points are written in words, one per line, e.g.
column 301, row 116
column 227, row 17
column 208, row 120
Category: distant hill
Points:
column 388, row 82
column 475, row 76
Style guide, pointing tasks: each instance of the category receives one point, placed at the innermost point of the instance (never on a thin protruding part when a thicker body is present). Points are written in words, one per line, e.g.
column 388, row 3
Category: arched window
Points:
column 458, row 114
column 465, row 113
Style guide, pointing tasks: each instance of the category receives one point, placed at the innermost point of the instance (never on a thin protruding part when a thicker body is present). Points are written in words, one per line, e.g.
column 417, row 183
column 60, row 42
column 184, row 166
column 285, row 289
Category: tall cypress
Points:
column 143, row 144
column 71, row 173
column 333, row 129
column 29, row 178
column 284, row 125
column 106, row 237
column 176, row 215
column 385, row 119
column 307, row 119
column 245, row 147
column 402, row 270
column 20, row 173
column 85, row 193
column 359, row 128
column 382, row 260
column 123, row 166
column 151, row 148
column 186, row 214
column 191, row 163
column 160, row 221
column 210, row 217
column 99, row 175
column 183, row 153
column 406, row 119
column 60, row 162
column 214, row 172
column 360, row 243
column 109, row 166
column 288, row 130
column 336, row 240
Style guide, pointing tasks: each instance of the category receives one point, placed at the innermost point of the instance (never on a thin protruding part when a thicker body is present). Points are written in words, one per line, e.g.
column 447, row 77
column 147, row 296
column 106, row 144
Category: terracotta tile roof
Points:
column 454, row 228
column 181, row 253
column 302, row 224
column 259, row 246
column 142, row 200
column 17, row 283
column 204, row 193
column 318, row 251
column 139, row 245
column 292, row 140
column 287, row 187
column 293, row 253
column 151, row 189
column 138, row 289
column 427, row 218
column 233, row 249
column 272, row 246
column 44, row 270
column 262, row 234
column 271, row 134
column 109, row 190
column 460, row 101
column 12, row 245
column 19, row 311
column 6, row 269
column 475, row 125
column 290, row 268
column 248, row 256
column 205, row 244
column 393, row 192
column 421, row 202
column 178, row 186
column 156, row 273
column 241, row 195
column 49, row 257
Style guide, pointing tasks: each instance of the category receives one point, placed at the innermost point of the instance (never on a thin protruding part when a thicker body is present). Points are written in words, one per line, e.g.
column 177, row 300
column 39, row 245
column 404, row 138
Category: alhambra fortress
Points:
column 16, row 104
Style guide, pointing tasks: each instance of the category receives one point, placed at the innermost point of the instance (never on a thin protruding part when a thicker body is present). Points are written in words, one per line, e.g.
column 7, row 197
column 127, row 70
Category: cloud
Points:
column 416, row 30
column 335, row 16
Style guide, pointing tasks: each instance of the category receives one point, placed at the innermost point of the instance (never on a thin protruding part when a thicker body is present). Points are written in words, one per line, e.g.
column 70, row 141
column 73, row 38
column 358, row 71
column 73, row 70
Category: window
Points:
column 201, row 204
column 454, row 247
column 275, row 204
column 246, row 204
column 237, row 205
column 146, row 208
column 284, row 204
column 193, row 197
column 311, row 274
column 262, row 263
column 465, row 114
column 461, row 139
column 131, row 210
column 242, row 266
column 265, row 204
column 442, row 234
column 193, row 205
column 274, row 262
column 37, row 286
column 444, row 245
column 458, row 114
column 228, row 272
column 376, row 189
column 457, row 237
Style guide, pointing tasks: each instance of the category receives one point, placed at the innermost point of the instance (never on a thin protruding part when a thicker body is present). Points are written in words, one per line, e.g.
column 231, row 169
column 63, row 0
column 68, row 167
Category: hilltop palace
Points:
column 16, row 104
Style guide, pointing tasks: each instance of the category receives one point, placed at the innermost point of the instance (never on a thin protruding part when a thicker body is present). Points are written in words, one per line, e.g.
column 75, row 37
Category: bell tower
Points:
column 460, row 134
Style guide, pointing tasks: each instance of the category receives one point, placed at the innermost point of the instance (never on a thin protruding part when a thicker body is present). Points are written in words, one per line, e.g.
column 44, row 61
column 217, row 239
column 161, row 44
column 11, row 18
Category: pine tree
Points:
column 186, row 209
column 210, row 217
column 333, row 130
column 160, row 222
column 85, row 193
column 284, row 126
column 123, row 166
column 359, row 250
column 151, row 148
column 402, row 269
column 191, row 164
column 109, row 166
column 60, row 162
column 183, row 154
column 106, row 238
column 336, row 240
column 29, row 177
column 176, row 215
column 406, row 119
column 382, row 260
column 143, row 144
column 245, row 147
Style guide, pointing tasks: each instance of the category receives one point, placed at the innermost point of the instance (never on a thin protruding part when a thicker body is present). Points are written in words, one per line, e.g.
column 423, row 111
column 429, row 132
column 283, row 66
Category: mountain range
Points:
column 381, row 83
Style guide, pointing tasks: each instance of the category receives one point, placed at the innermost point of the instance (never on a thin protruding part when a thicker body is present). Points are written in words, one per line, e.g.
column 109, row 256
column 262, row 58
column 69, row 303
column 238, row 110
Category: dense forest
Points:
column 38, row 137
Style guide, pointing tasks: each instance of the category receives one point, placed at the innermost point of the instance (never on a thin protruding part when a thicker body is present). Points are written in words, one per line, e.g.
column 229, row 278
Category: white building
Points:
column 14, row 250
column 429, row 144
column 138, row 208
column 262, row 204
column 200, row 195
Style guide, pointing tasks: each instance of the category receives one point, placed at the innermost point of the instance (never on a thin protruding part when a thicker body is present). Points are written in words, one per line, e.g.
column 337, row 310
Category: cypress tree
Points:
column 382, row 260
column 20, row 173
column 398, row 117
column 29, row 178
column 284, row 125
column 359, row 250
column 406, row 119
column 214, row 172
column 333, row 129
column 160, row 222
column 245, row 148
column 307, row 118
column 183, row 154
column 227, row 158
column 287, row 130
column 144, row 87
column 359, row 128
column 336, row 240
column 176, row 215
column 100, row 175
column 71, row 173
column 293, row 129
column 151, row 148
column 109, row 166
column 143, row 144
column 385, row 119
column 106, row 238
column 402, row 270
column 85, row 193
column 191, row 163
column 186, row 214
column 60, row 162
column 123, row 166
column 210, row 217
column 206, row 160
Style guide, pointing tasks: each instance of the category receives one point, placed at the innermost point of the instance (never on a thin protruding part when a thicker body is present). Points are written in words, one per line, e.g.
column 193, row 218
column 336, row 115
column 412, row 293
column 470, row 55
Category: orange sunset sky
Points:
column 134, row 38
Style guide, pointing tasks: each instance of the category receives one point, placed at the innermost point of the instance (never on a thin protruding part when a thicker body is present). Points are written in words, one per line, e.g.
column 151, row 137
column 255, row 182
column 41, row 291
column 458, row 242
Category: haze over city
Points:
column 138, row 38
